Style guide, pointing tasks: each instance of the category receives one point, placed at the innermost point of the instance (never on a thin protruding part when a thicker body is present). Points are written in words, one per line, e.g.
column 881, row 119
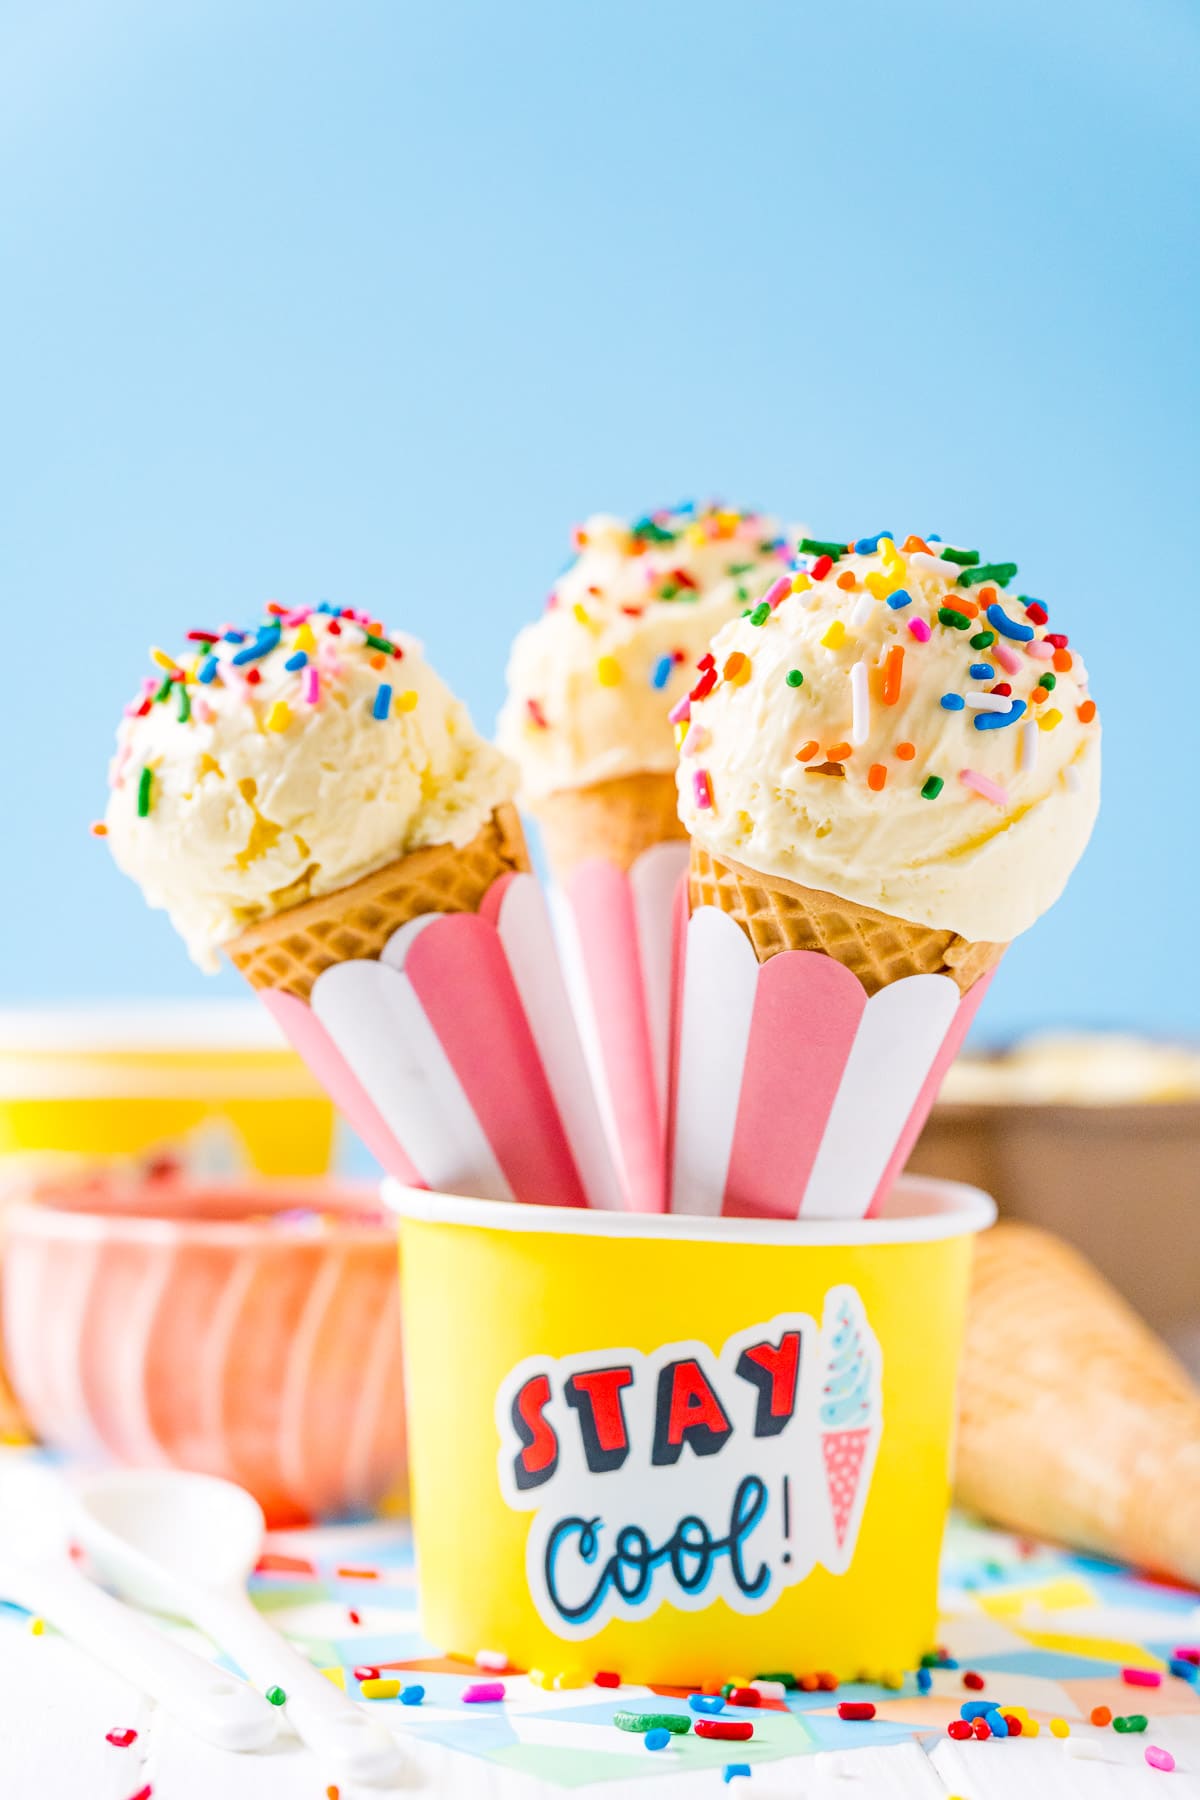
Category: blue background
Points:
column 371, row 301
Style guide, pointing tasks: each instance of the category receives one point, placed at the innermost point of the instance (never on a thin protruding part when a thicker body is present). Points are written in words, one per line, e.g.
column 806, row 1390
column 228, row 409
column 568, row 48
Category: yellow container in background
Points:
column 681, row 1448
column 212, row 1083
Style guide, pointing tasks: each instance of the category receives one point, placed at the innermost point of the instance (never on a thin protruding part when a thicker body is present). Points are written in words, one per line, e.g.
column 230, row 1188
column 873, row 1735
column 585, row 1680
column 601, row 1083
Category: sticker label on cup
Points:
column 688, row 1477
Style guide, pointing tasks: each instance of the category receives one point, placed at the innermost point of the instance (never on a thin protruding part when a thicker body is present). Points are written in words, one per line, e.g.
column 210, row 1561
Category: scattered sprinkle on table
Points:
column 276, row 1696
column 483, row 1692
column 382, row 1687
column 121, row 1736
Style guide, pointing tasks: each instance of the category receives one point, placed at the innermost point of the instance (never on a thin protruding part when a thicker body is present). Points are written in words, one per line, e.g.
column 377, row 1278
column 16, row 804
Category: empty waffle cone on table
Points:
column 591, row 687
column 888, row 770
column 309, row 797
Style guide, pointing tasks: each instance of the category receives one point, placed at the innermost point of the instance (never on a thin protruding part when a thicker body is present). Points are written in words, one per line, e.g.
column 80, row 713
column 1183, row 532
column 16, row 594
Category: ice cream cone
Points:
column 776, row 914
column 1075, row 1422
column 843, row 1452
column 289, row 950
column 613, row 820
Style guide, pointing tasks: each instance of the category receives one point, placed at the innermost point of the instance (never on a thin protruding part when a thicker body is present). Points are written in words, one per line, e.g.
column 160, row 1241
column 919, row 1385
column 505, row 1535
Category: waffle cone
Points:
column 292, row 948
column 615, row 820
column 780, row 915
column 1075, row 1422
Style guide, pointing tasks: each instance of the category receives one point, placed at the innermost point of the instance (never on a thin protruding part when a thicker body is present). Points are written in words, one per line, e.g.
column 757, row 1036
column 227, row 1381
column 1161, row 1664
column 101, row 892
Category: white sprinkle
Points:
column 1070, row 776
column 490, row 1659
column 1029, row 745
column 770, row 1690
column 988, row 702
column 860, row 699
column 1089, row 1749
column 1040, row 650
column 933, row 565
column 864, row 606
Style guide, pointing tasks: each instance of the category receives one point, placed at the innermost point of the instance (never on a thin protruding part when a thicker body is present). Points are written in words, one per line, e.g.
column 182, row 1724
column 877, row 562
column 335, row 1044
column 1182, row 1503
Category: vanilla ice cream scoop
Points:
column 901, row 729
column 590, row 685
column 271, row 765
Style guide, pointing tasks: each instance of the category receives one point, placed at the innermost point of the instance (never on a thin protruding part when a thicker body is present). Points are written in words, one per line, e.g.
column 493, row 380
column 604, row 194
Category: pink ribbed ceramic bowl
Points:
column 249, row 1330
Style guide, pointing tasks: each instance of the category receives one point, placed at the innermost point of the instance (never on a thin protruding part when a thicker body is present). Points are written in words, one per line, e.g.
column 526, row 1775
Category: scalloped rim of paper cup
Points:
column 940, row 1209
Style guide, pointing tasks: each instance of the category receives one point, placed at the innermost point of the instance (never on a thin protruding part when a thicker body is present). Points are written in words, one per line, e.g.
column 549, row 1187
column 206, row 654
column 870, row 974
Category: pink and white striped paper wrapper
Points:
column 455, row 1056
column 796, row 1096
column 615, row 930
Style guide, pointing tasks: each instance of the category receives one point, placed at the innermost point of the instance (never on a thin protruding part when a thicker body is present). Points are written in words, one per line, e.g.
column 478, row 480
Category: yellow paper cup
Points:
column 682, row 1448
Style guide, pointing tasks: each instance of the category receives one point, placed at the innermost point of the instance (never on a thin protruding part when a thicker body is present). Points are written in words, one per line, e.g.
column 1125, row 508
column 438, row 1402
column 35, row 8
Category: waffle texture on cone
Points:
column 779, row 915
column 615, row 820
column 291, row 949
column 1075, row 1421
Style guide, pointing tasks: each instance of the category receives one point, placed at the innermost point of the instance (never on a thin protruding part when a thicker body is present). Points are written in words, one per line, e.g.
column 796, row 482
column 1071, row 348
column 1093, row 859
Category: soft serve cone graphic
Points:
column 848, row 1412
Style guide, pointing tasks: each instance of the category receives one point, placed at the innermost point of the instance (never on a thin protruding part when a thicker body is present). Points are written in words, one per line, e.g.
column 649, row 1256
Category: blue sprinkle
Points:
column 266, row 641
column 658, row 1739
column 732, row 1769
column 976, row 1709
column 235, row 637
column 662, row 671
column 707, row 1703
column 411, row 1696
column 327, row 606
column 208, row 670
column 686, row 506
column 383, row 700
column 900, row 598
column 987, row 721
column 296, row 662
column 947, row 1662
column 982, row 671
column 1187, row 1671
column 925, row 1680
column 997, row 1722
column 868, row 546
column 953, row 702
column 1007, row 627
column 933, row 537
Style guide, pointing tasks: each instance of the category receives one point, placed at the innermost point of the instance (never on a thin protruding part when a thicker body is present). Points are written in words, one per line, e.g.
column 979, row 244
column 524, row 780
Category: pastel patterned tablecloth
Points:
column 1046, row 1631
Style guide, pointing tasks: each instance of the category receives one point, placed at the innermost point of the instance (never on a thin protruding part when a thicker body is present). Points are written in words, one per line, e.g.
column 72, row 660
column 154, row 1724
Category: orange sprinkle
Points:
column 1062, row 661
column 847, row 580
column 893, row 670
column 737, row 668
column 377, row 661
column 876, row 776
column 968, row 607
column 987, row 595
column 99, row 828
column 839, row 752
column 1101, row 1715
column 1087, row 712
column 906, row 751
column 913, row 542
column 806, row 752
column 1038, row 695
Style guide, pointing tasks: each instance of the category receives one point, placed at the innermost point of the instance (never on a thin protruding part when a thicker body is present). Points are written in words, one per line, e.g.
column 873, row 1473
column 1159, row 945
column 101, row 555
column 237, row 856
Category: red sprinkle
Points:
column 120, row 1735
column 1001, row 687
column 737, row 1730
column 973, row 1680
column 980, row 1728
column 143, row 1793
column 705, row 685
column 365, row 1672
column 745, row 1697
column 820, row 568
column 959, row 1729
column 856, row 1709
column 355, row 1618
column 333, row 628
column 1059, row 639
column 536, row 714
column 1187, row 1653
column 1014, row 1724
column 1037, row 612
column 606, row 1678
column 254, row 676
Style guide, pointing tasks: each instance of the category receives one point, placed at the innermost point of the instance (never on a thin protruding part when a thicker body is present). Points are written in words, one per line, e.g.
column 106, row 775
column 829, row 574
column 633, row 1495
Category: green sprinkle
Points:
column 276, row 1696
column 185, row 704
column 761, row 613
column 948, row 616
column 165, row 689
column 965, row 557
column 818, row 547
column 739, row 568
column 933, row 787
column 1000, row 573
column 678, row 1723
column 794, row 678
column 145, row 783
column 378, row 643
column 783, row 1675
column 668, row 590
column 983, row 640
column 653, row 533
column 1048, row 681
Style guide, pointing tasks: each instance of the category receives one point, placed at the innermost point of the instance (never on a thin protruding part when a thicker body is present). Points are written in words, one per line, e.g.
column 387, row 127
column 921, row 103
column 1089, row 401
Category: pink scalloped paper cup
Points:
column 795, row 1095
column 247, row 1330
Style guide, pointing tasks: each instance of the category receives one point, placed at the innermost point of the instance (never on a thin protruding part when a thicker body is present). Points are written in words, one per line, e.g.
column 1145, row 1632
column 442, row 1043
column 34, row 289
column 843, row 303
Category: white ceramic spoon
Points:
column 185, row 1544
column 36, row 1572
